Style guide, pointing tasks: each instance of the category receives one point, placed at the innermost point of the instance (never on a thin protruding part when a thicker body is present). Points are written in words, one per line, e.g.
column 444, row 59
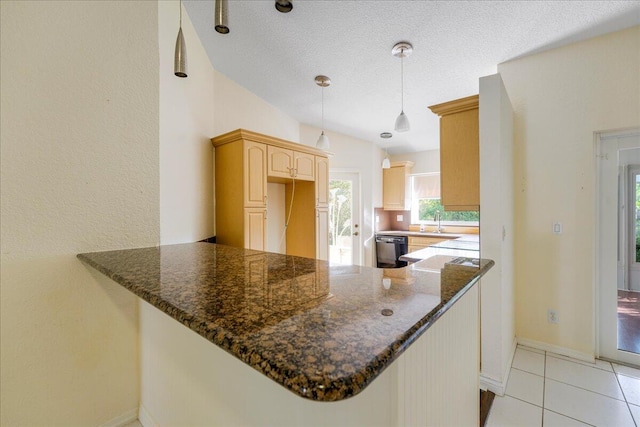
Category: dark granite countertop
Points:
column 317, row 329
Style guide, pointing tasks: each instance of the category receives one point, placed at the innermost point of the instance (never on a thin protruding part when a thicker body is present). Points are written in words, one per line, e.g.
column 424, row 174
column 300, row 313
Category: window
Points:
column 425, row 190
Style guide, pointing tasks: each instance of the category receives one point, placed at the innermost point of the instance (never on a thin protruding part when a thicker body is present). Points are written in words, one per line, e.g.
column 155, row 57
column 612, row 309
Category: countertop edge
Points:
column 353, row 382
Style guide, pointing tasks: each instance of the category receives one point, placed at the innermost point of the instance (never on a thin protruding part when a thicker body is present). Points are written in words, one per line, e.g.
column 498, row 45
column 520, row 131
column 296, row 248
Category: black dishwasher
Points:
column 389, row 248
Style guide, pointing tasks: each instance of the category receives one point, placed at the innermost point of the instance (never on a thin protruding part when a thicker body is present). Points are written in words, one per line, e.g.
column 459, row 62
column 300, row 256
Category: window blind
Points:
column 426, row 186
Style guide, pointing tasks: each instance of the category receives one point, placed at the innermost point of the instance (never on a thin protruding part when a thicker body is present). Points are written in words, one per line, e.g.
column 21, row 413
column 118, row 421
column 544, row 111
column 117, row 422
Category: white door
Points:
column 631, row 236
column 608, row 249
column 344, row 218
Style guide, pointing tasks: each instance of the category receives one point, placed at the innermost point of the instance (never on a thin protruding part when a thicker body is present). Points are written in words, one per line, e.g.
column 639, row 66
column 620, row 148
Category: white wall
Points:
column 425, row 161
column 79, row 173
column 355, row 155
column 561, row 97
column 496, row 233
column 186, row 127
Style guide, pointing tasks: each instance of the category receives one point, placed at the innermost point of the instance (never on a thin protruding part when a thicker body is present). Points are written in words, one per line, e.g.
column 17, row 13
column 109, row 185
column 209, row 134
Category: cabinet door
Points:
column 304, row 166
column 460, row 161
column 322, row 182
column 280, row 162
column 322, row 234
column 255, row 228
column 394, row 182
column 255, row 174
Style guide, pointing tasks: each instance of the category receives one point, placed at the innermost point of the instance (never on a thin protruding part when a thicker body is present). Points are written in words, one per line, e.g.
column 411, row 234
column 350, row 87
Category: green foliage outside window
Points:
column 429, row 207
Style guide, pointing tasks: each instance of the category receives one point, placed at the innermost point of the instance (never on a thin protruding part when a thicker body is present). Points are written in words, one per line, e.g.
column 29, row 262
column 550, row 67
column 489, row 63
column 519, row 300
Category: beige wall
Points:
column 186, row 127
column 79, row 173
column 192, row 110
column 561, row 97
column 424, row 161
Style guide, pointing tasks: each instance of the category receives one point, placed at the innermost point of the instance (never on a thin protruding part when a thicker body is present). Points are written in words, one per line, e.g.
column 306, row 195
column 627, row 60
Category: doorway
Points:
column 617, row 265
column 344, row 218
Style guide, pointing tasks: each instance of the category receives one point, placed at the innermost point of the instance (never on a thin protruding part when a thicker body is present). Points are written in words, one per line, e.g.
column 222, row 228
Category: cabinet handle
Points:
column 265, row 200
column 265, row 214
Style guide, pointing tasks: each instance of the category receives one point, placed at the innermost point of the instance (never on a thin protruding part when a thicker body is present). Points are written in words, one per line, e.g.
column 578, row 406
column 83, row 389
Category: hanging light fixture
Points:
column 323, row 140
column 180, row 56
column 221, row 17
column 402, row 50
column 284, row 6
column 386, row 163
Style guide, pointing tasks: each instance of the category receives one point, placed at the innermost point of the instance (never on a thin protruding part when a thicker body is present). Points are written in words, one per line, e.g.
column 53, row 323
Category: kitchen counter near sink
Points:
column 322, row 331
column 423, row 234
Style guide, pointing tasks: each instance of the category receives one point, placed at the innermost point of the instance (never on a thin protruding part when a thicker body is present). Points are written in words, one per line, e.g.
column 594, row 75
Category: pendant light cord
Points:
column 402, row 78
column 322, row 108
column 180, row 13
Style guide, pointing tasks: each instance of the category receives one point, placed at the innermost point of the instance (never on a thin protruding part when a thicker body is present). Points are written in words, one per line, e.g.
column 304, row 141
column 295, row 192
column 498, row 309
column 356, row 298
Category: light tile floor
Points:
column 546, row 389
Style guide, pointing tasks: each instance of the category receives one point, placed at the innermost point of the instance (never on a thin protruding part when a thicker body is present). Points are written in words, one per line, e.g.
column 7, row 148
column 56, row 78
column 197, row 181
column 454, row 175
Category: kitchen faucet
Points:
column 438, row 218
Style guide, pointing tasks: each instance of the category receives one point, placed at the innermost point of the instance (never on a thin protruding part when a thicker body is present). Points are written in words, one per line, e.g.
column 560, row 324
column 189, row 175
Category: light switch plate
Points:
column 399, row 218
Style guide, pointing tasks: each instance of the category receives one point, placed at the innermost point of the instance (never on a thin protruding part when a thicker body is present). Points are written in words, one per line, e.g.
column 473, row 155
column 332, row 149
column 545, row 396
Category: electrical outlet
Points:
column 377, row 219
column 399, row 218
column 552, row 316
column 557, row 228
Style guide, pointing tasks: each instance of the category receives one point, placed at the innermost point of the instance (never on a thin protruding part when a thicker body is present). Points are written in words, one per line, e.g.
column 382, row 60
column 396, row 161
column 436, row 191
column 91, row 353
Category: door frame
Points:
column 339, row 173
column 607, row 146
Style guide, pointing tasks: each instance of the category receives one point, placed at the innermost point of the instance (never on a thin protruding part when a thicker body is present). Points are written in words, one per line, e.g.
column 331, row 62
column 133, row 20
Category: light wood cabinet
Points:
column 248, row 161
column 322, row 182
column 285, row 163
column 255, row 228
column 459, row 154
column 304, row 166
column 322, row 233
column 255, row 174
column 396, row 187
column 420, row 242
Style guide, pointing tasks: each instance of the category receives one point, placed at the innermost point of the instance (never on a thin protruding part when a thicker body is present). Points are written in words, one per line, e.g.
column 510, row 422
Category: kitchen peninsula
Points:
column 324, row 332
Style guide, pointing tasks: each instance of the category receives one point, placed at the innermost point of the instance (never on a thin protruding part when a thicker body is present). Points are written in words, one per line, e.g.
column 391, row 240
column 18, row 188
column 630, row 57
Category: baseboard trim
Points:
column 494, row 385
column 145, row 419
column 563, row 351
column 120, row 420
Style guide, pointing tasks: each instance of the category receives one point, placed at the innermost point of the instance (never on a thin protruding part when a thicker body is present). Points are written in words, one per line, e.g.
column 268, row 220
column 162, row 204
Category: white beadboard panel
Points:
column 438, row 376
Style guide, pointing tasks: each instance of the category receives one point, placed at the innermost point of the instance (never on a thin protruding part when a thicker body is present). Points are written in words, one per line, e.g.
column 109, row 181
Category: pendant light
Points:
column 323, row 140
column 180, row 56
column 402, row 50
column 221, row 17
column 386, row 163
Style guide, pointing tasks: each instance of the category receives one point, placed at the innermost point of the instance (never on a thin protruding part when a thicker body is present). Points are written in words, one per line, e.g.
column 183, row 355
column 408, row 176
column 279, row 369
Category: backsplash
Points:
column 388, row 220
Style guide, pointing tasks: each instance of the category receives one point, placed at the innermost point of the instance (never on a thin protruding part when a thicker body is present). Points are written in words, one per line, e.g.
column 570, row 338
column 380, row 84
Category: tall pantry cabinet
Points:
column 248, row 160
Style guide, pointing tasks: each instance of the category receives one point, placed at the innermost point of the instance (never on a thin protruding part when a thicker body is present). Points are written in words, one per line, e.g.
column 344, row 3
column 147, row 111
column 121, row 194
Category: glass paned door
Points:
column 344, row 231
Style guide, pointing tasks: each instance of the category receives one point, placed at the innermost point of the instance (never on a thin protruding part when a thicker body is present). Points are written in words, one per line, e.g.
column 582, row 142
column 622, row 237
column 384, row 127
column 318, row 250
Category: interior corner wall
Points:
column 356, row 155
column 186, row 128
column 427, row 161
column 496, row 232
column 238, row 108
column 561, row 97
column 79, row 173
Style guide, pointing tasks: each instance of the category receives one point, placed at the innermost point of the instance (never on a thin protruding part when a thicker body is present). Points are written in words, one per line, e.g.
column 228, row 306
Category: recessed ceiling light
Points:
column 386, row 135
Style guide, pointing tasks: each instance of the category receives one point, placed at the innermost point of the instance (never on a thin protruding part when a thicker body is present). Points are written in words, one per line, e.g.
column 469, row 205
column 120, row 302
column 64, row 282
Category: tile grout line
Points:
column 567, row 416
column 591, row 391
column 544, row 385
column 527, row 372
column 624, row 395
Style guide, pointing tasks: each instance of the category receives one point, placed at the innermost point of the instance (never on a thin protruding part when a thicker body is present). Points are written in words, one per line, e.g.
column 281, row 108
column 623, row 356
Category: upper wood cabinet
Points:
column 285, row 163
column 396, row 186
column 322, row 182
column 459, row 154
column 255, row 174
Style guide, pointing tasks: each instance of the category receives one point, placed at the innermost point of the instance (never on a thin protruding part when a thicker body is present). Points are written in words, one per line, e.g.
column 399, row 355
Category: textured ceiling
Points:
column 277, row 56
